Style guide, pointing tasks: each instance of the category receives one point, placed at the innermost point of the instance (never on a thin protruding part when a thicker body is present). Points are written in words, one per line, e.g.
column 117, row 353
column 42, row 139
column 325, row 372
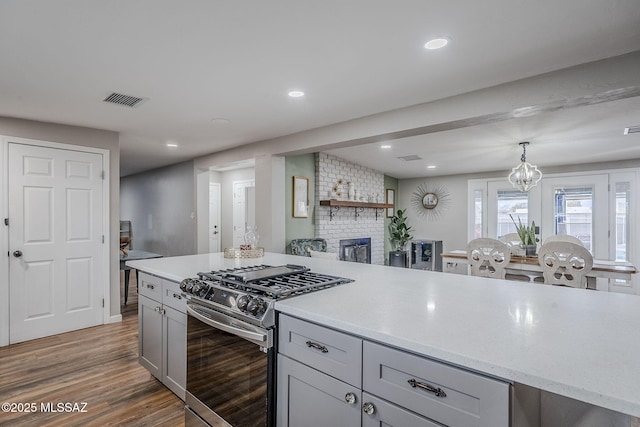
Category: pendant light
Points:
column 524, row 176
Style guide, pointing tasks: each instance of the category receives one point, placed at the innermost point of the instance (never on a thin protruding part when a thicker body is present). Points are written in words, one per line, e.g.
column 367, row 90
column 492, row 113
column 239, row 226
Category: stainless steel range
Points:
column 230, row 341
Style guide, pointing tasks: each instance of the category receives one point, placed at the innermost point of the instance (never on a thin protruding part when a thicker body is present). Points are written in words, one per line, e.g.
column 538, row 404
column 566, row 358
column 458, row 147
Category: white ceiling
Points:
column 196, row 61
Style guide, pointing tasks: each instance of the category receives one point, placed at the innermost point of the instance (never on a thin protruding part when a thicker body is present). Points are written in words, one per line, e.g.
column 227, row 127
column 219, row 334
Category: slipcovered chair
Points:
column 565, row 264
column 488, row 257
column 303, row 246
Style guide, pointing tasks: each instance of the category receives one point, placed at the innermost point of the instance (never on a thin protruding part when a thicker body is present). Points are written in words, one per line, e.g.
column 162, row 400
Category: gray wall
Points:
column 299, row 228
column 161, row 206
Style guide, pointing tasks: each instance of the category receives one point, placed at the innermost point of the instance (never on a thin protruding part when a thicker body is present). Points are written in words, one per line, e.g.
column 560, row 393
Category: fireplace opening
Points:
column 356, row 250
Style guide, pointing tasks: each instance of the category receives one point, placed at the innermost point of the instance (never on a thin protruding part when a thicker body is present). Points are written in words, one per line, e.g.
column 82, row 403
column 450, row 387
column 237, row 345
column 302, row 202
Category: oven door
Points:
column 230, row 370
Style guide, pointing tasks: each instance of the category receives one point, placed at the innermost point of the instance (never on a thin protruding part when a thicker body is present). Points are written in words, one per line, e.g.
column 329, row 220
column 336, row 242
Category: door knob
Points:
column 17, row 254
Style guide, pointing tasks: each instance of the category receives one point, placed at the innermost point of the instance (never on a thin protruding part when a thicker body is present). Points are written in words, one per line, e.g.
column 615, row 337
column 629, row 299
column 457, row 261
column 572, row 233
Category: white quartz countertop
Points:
column 577, row 343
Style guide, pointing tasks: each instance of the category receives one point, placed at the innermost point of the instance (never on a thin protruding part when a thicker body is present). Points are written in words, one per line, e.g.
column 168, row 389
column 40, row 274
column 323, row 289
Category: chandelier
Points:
column 525, row 176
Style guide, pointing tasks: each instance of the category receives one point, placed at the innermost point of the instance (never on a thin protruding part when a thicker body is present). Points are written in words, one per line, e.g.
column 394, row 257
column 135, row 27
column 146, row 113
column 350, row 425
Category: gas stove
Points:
column 249, row 293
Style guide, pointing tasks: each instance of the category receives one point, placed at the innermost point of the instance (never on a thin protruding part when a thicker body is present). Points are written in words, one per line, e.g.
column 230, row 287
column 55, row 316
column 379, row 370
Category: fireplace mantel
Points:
column 335, row 205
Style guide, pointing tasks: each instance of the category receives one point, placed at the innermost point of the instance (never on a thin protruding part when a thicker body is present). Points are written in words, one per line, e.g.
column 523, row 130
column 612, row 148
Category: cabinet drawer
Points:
column 467, row 399
column 385, row 414
column 150, row 286
column 308, row 398
column 172, row 296
column 329, row 351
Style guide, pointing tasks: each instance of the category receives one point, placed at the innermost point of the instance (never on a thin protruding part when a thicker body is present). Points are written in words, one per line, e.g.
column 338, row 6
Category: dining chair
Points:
column 488, row 257
column 563, row 238
column 514, row 242
column 565, row 264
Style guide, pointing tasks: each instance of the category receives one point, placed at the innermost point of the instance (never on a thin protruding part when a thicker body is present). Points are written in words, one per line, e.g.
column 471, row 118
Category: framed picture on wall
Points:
column 390, row 199
column 300, row 197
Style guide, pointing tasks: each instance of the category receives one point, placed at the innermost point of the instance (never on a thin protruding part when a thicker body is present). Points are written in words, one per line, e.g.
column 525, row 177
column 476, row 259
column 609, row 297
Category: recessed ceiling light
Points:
column 386, row 147
column 431, row 166
column 296, row 93
column 172, row 145
column 436, row 43
column 220, row 121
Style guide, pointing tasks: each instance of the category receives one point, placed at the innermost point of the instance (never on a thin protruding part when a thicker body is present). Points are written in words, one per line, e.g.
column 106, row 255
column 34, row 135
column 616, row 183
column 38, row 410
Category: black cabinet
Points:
column 426, row 254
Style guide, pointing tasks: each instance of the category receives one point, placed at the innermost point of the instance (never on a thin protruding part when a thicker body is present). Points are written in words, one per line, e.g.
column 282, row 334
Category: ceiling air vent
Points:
column 125, row 100
column 632, row 129
column 410, row 158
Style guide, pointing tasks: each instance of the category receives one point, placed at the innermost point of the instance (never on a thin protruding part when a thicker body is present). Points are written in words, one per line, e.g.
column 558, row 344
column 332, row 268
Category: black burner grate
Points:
column 273, row 282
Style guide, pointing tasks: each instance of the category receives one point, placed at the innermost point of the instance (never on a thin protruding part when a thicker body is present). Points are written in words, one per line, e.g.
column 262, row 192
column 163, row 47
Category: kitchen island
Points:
column 575, row 343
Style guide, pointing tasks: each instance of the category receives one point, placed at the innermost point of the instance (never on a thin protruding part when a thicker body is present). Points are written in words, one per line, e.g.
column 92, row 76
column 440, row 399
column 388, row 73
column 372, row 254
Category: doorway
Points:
column 58, row 266
column 214, row 217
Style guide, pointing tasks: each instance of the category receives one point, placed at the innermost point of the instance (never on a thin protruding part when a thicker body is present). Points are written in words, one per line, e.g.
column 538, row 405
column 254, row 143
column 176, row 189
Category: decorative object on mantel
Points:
column 352, row 191
column 430, row 201
column 399, row 235
column 337, row 190
column 527, row 235
column 525, row 176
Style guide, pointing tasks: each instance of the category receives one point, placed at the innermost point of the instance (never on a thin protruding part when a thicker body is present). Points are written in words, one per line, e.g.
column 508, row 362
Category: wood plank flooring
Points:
column 97, row 366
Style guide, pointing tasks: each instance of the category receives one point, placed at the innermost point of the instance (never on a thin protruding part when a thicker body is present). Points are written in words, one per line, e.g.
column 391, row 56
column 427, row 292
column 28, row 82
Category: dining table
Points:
column 131, row 255
column 529, row 266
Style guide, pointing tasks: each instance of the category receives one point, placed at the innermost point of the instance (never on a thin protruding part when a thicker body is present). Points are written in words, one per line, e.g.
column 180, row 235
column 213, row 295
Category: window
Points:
column 511, row 204
column 573, row 213
column 622, row 220
column 478, row 212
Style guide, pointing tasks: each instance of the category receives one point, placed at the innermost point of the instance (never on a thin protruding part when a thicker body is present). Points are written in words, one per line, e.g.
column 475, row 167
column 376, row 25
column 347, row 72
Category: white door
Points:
column 240, row 210
column 578, row 206
column 214, row 217
column 55, row 241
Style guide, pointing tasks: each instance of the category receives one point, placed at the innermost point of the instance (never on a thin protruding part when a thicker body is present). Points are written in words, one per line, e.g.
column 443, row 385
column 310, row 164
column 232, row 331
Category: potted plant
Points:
column 527, row 235
column 399, row 235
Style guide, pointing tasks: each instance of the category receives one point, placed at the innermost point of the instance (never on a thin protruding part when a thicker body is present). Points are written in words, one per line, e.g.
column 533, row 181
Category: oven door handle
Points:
column 255, row 337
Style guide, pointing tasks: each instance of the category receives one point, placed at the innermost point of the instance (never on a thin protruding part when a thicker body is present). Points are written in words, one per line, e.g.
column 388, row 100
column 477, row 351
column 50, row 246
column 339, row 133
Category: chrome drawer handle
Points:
column 317, row 346
column 437, row 391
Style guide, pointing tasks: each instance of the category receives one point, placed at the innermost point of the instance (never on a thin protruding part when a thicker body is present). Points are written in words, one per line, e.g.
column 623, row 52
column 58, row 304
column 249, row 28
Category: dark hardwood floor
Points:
column 97, row 366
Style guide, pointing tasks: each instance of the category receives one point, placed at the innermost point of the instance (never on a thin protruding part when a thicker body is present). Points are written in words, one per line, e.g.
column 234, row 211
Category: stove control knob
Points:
column 256, row 306
column 187, row 285
column 204, row 287
column 195, row 288
column 242, row 303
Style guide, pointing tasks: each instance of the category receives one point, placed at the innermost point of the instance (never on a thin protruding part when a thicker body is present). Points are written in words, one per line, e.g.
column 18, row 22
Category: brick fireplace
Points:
column 349, row 222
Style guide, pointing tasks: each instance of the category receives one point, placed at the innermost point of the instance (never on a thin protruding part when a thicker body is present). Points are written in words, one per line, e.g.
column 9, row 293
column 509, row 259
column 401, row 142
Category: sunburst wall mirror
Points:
column 430, row 201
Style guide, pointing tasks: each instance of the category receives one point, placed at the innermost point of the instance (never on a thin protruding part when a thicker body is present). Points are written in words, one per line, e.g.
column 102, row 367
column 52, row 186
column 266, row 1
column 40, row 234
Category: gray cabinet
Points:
column 162, row 329
column 310, row 398
column 385, row 414
column 328, row 377
column 446, row 394
column 426, row 254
